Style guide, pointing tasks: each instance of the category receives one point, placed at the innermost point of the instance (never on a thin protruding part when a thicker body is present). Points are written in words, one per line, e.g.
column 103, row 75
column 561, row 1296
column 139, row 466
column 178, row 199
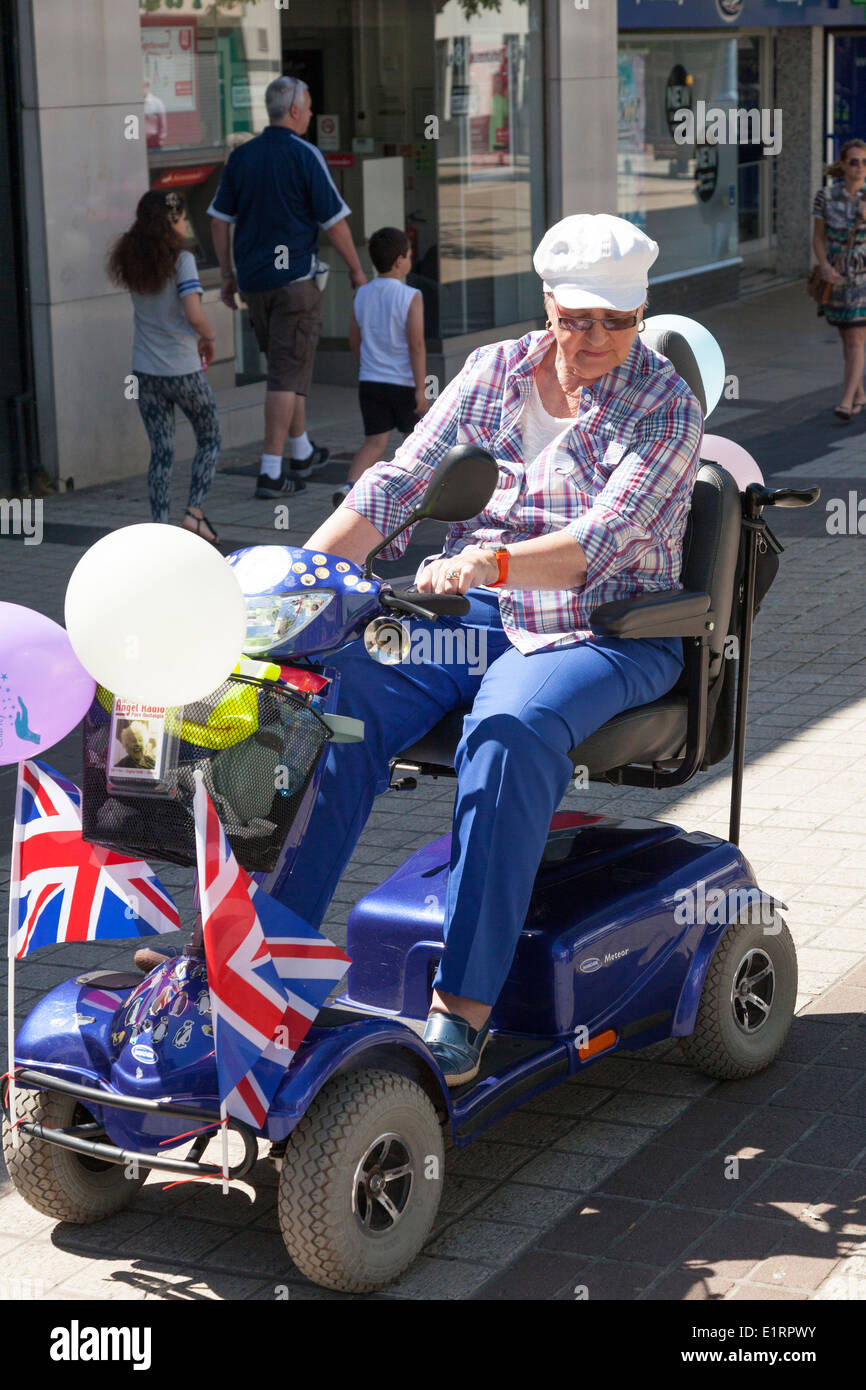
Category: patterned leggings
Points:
column 157, row 398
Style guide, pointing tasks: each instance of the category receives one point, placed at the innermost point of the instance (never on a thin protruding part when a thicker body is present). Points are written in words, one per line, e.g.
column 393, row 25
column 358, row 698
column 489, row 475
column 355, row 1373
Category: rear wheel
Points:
column 360, row 1181
column 59, row 1182
column 747, row 1002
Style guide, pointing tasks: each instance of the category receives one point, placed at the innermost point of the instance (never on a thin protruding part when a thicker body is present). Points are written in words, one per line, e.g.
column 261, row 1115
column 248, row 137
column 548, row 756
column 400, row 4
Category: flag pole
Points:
column 14, row 894
column 199, row 803
column 225, row 1147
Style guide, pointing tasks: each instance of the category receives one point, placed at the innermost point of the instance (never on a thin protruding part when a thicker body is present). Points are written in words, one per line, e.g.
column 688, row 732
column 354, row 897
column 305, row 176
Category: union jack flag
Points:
column 66, row 889
column 269, row 973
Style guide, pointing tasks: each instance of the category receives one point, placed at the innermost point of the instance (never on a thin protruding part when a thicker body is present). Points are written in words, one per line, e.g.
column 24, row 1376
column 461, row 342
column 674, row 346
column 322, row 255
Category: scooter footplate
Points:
column 502, row 1054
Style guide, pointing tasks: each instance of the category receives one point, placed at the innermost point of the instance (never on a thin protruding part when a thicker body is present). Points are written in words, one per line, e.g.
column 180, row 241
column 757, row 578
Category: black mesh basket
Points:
column 256, row 769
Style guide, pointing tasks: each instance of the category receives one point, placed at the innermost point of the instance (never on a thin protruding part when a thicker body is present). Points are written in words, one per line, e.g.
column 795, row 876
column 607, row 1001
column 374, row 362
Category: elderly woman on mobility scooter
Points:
column 597, row 441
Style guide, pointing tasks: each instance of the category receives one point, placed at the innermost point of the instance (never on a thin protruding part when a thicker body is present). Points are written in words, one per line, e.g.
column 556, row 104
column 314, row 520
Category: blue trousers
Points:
column 512, row 768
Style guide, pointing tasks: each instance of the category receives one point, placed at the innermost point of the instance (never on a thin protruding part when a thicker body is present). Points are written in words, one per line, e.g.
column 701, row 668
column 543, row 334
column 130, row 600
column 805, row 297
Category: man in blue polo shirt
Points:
column 277, row 191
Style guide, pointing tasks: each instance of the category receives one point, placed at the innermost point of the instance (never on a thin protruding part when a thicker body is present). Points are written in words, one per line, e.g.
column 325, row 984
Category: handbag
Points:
column 819, row 289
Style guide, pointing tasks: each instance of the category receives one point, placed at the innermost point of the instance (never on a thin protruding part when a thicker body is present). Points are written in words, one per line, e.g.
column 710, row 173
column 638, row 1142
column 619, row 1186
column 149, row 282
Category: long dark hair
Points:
column 143, row 259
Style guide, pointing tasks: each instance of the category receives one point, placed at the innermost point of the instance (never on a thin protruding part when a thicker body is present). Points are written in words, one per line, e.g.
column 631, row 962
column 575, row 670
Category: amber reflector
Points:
column 599, row 1043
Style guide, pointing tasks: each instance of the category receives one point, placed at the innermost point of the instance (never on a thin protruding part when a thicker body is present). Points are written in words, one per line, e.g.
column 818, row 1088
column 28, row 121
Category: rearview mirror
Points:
column 462, row 485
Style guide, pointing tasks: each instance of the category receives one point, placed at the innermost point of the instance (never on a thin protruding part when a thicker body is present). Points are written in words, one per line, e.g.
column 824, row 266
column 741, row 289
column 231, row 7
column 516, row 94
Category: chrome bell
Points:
column 387, row 641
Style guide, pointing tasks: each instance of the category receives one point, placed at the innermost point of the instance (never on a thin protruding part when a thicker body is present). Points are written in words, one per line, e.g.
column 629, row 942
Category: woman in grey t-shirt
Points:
column 172, row 344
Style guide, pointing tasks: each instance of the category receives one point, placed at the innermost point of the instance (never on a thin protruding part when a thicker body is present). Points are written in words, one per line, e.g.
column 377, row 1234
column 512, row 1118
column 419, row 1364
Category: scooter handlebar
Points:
column 411, row 601
column 783, row 496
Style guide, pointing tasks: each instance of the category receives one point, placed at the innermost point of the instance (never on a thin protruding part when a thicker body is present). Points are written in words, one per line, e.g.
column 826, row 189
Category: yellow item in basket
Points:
column 234, row 718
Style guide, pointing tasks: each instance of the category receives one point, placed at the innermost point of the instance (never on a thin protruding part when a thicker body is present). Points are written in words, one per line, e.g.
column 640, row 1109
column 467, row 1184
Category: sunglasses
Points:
column 586, row 325
column 852, row 160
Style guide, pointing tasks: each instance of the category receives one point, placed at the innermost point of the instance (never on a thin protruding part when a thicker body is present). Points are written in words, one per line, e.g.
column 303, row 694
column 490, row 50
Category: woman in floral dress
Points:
column 840, row 210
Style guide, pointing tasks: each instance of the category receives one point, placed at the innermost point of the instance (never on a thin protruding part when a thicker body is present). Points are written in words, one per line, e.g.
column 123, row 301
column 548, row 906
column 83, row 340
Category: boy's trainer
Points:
column 278, row 487
column 302, row 468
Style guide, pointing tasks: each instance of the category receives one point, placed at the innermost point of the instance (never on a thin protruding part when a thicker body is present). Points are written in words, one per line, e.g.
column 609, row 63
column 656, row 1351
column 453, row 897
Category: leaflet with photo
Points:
column 137, row 745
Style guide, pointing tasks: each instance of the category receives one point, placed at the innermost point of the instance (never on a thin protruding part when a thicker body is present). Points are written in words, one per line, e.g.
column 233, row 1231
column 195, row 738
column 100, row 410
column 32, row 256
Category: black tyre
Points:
column 59, row 1182
column 747, row 1002
column 360, row 1181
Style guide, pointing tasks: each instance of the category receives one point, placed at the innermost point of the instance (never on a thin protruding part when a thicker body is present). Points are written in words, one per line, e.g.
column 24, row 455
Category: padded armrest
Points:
column 659, row 613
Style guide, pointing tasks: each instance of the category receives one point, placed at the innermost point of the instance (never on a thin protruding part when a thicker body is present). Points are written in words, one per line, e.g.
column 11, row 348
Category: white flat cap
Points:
column 595, row 261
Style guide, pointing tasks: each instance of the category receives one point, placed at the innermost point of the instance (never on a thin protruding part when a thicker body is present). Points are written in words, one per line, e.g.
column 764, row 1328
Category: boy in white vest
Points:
column 386, row 335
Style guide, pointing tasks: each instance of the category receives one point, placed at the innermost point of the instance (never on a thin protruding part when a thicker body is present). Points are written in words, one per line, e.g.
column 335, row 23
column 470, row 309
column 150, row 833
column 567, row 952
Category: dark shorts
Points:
column 385, row 406
column 287, row 322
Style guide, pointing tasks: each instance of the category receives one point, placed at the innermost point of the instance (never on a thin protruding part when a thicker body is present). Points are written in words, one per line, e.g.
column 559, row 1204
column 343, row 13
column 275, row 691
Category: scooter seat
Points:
column 648, row 734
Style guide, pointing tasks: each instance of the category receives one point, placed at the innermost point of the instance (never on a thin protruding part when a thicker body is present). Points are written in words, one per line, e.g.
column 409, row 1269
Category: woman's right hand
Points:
column 829, row 272
column 206, row 351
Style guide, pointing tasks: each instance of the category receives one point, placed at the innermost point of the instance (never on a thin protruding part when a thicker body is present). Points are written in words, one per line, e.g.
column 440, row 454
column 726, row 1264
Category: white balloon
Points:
column 155, row 613
column 708, row 354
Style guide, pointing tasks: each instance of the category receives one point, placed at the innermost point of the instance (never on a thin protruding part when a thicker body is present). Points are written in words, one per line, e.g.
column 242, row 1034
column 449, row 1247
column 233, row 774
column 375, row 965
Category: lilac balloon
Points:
column 737, row 460
column 44, row 689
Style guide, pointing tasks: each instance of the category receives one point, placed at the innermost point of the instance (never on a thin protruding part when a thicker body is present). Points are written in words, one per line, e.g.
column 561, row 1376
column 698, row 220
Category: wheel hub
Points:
column 382, row 1185
column 753, row 991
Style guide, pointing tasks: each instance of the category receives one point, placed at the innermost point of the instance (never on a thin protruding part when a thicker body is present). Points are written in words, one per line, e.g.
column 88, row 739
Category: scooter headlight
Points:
column 272, row 618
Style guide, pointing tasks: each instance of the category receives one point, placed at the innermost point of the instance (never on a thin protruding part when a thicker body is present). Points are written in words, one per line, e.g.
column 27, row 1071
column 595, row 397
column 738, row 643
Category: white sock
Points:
column 301, row 446
column 272, row 465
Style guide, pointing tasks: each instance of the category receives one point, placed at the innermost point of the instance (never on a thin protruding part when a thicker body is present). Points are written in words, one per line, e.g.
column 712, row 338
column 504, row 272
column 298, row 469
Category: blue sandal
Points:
column 456, row 1047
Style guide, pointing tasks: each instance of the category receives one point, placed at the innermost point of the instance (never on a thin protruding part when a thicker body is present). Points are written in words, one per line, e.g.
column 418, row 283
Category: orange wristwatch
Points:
column 502, row 558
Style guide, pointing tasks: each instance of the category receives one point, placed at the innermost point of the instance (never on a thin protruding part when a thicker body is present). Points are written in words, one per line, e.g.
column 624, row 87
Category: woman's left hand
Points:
column 457, row 573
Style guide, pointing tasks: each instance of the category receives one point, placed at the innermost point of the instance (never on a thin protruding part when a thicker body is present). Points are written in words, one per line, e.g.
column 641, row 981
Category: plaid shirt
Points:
column 620, row 480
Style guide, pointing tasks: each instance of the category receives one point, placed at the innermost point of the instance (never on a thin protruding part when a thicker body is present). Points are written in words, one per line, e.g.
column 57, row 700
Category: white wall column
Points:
column 81, row 80
column 581, row 92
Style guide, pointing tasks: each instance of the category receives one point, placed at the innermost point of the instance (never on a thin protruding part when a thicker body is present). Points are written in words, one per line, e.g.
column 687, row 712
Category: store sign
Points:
column 184, row 178
column 460, row 97
column 340, row 161
column 678, row 95
column 706, row 171
column 328, row 132
column 168, row 58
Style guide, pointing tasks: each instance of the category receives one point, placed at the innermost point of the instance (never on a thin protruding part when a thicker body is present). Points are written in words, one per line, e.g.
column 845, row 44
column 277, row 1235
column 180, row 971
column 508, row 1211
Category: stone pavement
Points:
column 612, row 1186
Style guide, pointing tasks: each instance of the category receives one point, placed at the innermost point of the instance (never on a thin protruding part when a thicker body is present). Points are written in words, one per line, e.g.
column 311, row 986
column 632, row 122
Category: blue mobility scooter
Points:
column 637, row 931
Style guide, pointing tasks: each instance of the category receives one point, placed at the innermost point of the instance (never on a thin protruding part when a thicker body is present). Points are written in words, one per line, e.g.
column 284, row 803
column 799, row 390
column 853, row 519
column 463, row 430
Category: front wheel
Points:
column 360, row 1181
column 59, row 1182
column 747, row 1002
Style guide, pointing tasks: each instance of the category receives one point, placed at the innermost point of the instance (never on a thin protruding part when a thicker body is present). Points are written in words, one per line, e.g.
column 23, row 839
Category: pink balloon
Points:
column 44, row 689
column 737, row 460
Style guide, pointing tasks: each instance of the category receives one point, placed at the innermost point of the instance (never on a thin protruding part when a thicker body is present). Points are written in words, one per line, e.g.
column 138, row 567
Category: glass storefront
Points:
column 756, row 174
column 430, row 116
column 848, row 101
column 204, row 65
column 489, row 91
column 685, row 196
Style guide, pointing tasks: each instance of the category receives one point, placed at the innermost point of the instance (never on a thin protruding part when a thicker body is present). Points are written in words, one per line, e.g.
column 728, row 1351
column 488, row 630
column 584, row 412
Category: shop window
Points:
column 205, row 67
column 490, row 161
column 684, row 195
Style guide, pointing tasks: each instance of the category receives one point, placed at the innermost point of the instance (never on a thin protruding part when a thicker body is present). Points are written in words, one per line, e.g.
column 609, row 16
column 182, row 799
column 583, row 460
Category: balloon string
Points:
column 199, row 1177
column 214, row 1124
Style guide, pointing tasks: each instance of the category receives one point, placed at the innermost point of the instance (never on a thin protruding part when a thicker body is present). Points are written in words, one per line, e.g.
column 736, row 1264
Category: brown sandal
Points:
column 212, row 539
